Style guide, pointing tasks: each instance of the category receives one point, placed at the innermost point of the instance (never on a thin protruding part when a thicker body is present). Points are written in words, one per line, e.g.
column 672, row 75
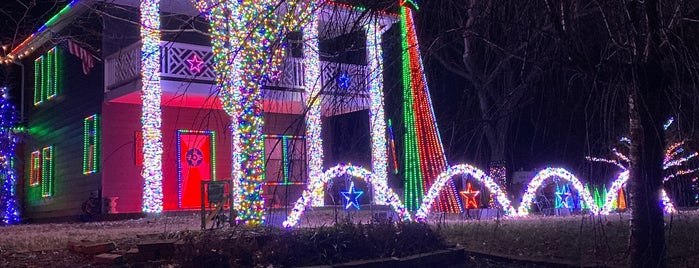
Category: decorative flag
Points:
column 83, row 54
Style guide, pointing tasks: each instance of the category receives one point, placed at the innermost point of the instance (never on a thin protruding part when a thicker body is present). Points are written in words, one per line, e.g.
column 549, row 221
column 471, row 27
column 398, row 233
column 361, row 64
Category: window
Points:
column 91, row 148
column 285, row 159
column 47, row 171
column 35, row 166
column 41, row 170
column 47, row 76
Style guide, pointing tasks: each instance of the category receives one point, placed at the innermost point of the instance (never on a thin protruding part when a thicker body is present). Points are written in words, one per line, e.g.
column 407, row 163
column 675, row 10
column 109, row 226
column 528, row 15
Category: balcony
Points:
column 187, row 69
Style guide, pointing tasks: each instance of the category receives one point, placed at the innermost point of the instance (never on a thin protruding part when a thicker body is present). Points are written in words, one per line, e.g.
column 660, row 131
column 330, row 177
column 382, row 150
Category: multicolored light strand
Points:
column 151, row 117
column 340, row 170
column 424, row 153
column 463, row 169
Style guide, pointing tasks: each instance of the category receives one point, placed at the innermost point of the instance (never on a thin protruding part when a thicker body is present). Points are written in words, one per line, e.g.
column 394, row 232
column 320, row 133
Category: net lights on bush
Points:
column 151, row 115
column 382, row 191
column 9, row 205
column 463, row 169
column 424, row 153
column 543, row 175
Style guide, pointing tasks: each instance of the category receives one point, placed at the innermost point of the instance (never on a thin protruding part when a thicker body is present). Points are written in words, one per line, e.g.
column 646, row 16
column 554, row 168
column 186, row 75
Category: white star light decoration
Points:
column 195, row 63
column 351, row 197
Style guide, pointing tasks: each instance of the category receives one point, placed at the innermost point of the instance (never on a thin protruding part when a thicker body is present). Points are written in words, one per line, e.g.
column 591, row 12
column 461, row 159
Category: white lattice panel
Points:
column 124, row 67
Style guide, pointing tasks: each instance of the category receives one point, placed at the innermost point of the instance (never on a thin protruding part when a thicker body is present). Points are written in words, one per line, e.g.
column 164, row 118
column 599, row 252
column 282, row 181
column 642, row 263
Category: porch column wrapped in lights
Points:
column 312, row 84
column 379, row 151
column 151, row 113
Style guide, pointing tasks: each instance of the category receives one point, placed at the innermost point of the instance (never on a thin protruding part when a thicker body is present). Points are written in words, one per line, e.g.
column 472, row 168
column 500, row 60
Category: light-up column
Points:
column 379, row 152
column 312, row 83
column 151, row 113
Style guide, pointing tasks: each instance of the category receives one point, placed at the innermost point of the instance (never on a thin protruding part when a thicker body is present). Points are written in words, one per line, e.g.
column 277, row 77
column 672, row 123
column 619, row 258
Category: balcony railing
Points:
column 179, row 62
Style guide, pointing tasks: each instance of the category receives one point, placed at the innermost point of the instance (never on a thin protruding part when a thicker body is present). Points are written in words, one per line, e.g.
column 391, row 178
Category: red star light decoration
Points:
column 195, row 63
column 470, row 196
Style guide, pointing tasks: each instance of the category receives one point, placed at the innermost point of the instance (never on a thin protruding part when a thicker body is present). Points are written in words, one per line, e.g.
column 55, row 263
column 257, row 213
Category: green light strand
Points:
column 413, row 175
column 47, row 171
column 91, row 144
column 37, row 80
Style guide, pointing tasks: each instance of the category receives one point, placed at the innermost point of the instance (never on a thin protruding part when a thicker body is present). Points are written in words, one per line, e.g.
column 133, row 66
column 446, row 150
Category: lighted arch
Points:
column 381, row 190
column 538, row 180
column 621, row 180
column 464, row 169
column 613, row 192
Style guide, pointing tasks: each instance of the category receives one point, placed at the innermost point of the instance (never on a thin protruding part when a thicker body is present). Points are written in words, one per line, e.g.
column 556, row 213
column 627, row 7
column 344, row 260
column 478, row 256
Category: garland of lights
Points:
column 9, row 205
column 382, row 191
column 422, row 134
column 463, row 169
column 538, row 180
column 151, row 117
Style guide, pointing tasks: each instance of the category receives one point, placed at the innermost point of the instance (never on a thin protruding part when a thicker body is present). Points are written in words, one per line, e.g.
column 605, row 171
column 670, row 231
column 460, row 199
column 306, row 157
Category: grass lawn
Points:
column 578, row 240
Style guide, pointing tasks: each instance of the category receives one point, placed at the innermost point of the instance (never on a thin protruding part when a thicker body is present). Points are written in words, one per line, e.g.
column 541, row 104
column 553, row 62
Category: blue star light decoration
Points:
column 351, row 197
column 344, row 80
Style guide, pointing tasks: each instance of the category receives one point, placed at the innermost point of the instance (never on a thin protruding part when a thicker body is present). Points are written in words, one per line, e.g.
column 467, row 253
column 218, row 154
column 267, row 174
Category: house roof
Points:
column 56, row 23
column 77, row 7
